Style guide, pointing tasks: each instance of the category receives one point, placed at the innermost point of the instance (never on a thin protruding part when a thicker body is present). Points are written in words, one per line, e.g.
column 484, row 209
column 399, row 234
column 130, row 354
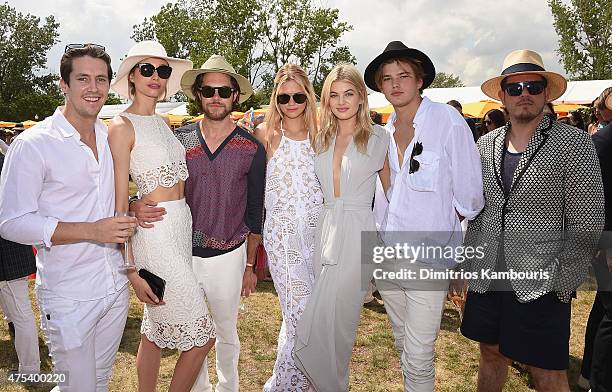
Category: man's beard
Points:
column 526, row 116
column 217, row 115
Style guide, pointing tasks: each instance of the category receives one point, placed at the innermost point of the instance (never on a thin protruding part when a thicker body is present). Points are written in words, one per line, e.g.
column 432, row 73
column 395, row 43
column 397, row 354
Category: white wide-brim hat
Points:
column 216, row 64
column 522, row 62
column 144, row 50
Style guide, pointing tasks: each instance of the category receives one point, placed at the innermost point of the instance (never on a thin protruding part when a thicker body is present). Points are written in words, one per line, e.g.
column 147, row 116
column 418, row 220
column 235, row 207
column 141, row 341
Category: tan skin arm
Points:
column 121, row 139
column 385, row 175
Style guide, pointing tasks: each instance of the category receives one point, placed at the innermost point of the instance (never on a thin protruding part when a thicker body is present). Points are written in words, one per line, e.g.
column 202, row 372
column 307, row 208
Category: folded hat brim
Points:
column 556, row 84
column 179, row 66
column 189, row 77
column 427, row 64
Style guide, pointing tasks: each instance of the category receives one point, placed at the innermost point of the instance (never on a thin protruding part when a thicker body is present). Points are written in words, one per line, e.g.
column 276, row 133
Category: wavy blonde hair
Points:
column 329, row 122
column 274, row 115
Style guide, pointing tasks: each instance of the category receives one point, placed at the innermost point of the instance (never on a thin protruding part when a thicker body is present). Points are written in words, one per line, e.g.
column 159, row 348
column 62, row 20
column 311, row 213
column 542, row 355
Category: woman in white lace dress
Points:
column 293, row 201
column 144, row 147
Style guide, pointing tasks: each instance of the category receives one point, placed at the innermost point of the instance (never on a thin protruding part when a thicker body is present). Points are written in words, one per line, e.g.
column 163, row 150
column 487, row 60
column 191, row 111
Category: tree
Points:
column 24, row 44
column 444, row 79
column 585, row 37
column 295, row 31
column 113, row 99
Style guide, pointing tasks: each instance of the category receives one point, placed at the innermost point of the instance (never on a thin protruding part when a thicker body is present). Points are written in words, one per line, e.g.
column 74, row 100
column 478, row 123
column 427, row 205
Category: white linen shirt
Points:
column 50, row 176
column 449, row 177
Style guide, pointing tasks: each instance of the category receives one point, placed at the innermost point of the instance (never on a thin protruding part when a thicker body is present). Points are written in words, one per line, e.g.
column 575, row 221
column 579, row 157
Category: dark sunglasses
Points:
column 223, row 91
column 298, row 98
column 488, row 122
column 414, row 164
column 147, row 70
column 534, row 87
column 83, row 46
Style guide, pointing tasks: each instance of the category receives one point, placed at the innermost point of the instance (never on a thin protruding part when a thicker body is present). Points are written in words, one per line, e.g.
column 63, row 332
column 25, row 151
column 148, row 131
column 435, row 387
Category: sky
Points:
column 468, row 38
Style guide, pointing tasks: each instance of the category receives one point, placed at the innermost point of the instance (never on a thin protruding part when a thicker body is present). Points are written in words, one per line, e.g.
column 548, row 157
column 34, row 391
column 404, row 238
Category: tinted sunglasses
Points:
column 488, row 122
column 147, row 70
column 223, row 91
column 83, row 46
column 534, row 87
column 298, row 98
column 414, row 164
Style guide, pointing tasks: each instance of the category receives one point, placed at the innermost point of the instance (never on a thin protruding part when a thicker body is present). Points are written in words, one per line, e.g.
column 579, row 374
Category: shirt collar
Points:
column 419, row 118
column 61, row 123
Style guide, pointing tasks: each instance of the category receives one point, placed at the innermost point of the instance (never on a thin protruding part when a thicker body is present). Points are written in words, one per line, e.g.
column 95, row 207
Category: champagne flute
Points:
column 127, row 264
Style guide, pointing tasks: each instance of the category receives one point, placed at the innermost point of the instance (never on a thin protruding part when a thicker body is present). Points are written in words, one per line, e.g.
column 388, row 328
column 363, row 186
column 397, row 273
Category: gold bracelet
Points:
column 250, row 265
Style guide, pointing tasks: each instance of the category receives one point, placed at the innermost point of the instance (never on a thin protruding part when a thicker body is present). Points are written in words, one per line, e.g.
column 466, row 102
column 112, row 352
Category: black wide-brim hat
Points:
column 396, row 49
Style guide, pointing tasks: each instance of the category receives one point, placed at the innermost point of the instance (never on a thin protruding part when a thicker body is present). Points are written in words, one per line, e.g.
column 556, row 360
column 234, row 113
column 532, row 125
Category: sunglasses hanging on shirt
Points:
column 414, row 165
column 147, row 70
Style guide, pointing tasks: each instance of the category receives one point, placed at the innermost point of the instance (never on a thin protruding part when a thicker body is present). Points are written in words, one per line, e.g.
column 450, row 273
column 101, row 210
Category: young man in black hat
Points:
column 540, row 226
column 436, row 180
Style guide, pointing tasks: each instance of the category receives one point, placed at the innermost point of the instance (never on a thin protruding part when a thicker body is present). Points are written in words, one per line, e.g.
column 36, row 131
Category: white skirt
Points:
column 165, row 250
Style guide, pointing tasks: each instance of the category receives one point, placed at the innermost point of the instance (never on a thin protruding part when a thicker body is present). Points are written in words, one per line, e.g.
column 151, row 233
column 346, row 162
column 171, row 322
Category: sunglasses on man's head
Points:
column 534, row 87
column 298, row 98
column 223, row 91
column 147, row 70
column 414, row 165
column 83, row 46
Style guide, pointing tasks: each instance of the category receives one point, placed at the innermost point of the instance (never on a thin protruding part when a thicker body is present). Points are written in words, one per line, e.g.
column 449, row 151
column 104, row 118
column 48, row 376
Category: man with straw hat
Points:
column 539, row 229
column 225, row 191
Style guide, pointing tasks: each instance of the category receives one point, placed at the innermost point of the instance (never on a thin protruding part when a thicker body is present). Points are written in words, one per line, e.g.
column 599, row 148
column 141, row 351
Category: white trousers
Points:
column 415, row 317
column 83, row 337
column 16, row 306
column 221, row 278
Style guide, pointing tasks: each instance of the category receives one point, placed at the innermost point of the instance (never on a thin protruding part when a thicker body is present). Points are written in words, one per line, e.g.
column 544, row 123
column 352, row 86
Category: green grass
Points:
column 374, row 366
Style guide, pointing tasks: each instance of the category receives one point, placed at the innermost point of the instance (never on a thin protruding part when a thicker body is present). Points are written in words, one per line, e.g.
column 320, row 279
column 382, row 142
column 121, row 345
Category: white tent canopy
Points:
column 581, row 92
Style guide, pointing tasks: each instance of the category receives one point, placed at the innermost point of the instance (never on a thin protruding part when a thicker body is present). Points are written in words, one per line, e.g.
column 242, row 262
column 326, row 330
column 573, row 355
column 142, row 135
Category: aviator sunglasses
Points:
column 147, row 70
column 223, row 91
column 298, row 98
column 534, row 87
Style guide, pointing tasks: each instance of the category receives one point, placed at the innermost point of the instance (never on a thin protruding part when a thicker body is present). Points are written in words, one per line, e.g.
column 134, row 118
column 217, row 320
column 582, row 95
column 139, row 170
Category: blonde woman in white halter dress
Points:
column 293, row 202
column 144, row 146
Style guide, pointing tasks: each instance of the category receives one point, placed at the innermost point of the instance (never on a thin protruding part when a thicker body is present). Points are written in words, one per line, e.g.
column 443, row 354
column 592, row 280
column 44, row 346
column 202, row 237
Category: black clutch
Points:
column 157, row 284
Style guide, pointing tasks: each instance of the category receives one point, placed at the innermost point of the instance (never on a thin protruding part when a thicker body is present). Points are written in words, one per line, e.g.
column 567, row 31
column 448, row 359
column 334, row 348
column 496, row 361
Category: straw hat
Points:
column 217, row 64
column 396, row 49
column 522, row 62
column 144, row 50
column 609, row 101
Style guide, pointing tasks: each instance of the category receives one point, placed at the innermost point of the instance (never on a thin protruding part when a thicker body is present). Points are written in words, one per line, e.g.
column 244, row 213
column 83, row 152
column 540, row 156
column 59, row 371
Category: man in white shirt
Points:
column 57, row 193
column 436, row 181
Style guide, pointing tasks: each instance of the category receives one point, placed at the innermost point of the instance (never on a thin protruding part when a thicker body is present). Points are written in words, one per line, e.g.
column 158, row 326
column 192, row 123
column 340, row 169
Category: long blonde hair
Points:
column 329, row 122
column 274, row 116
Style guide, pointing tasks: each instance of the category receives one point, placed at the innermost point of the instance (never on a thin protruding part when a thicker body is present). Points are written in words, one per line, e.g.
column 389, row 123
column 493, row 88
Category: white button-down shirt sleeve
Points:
column 465, row 170
column 20, row 220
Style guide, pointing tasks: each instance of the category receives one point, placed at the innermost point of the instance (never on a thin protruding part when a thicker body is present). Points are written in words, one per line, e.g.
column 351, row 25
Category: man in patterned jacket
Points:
column 539, row 229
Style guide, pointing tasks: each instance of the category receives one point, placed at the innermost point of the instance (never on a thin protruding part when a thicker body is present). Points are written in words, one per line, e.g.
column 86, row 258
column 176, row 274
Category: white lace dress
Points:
column 158, row 159
column 293, row 202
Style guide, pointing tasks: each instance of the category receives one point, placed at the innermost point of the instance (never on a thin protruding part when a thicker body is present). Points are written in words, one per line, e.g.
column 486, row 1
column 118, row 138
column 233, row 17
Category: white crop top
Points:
column 158, row 158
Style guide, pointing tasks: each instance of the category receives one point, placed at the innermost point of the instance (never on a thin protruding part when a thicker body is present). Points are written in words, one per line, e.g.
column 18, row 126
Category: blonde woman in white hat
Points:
column 144, row 147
